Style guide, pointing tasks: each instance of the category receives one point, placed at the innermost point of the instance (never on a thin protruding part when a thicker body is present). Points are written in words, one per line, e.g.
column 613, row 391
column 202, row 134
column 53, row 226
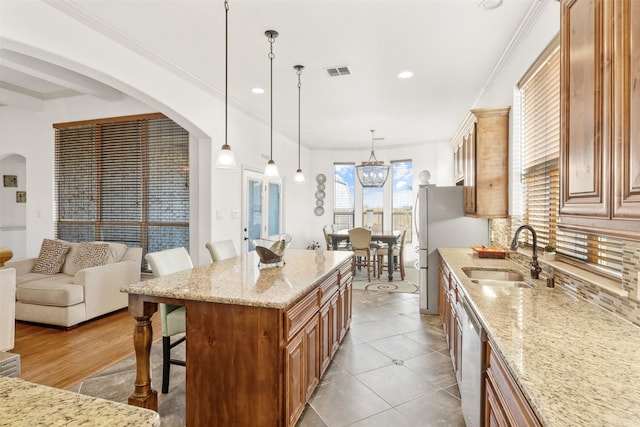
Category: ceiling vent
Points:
column 338, row 71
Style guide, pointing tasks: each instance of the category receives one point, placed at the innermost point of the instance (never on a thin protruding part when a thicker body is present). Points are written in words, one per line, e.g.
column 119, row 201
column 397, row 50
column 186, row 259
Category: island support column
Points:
column 143, row 396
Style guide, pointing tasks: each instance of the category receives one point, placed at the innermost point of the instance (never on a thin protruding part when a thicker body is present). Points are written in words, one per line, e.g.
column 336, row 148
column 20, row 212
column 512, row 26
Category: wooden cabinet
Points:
column 600, row 114
column 449, row 301
column 314, row 328
column 504, row 403
column 481, row 148
column 458, row 162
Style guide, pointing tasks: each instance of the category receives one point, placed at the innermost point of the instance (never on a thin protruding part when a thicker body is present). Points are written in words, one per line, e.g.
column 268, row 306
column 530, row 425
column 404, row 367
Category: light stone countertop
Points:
column 576, row 363
column 25, row 404
column 240, row 281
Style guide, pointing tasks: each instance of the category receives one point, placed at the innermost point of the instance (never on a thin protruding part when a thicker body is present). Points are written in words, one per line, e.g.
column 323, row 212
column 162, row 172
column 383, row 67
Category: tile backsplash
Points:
column 628, row 308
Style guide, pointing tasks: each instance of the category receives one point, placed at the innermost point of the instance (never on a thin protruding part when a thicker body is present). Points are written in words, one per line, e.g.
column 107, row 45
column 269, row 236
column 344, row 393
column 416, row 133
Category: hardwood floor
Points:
column 60, row 358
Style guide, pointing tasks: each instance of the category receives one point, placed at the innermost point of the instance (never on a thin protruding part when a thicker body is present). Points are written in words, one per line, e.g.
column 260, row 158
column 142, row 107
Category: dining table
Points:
column 390, row 238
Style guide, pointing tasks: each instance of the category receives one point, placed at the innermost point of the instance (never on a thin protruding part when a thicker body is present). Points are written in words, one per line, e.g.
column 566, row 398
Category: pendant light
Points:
column 271, row 169
column 299, row 176
column 225, row 158
column 372, row 173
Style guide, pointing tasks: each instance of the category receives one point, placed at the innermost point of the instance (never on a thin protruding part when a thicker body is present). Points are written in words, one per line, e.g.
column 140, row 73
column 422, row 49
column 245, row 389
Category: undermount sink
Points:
column 496, row 277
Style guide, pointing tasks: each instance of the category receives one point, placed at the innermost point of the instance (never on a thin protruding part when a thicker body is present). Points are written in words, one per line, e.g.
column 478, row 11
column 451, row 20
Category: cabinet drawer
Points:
column 329, row 287
column 297, row 316
column 346, row 269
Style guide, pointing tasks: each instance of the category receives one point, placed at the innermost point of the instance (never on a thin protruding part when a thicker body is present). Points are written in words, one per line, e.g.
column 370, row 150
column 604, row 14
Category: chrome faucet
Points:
column 534, row 268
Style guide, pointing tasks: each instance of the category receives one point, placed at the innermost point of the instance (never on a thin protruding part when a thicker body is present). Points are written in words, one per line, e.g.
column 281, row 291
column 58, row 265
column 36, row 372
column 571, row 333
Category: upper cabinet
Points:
column 600, row 114
column 481, row 162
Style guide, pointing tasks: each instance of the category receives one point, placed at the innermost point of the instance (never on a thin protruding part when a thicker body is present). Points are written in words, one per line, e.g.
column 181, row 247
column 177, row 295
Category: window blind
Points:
column 402, row 196
column 124, row 180
column 540, row 130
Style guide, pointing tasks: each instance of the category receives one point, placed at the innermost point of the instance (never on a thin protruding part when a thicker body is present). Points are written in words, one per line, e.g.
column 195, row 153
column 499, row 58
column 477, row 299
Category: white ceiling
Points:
column 452, row 46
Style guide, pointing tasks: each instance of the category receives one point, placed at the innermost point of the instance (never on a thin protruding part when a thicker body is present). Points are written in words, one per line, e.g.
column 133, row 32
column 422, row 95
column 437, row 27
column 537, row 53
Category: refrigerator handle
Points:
column 416, row 216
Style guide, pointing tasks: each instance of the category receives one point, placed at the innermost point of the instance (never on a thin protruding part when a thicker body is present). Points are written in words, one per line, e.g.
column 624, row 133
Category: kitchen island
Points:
column 574, row 362
column 258, row 339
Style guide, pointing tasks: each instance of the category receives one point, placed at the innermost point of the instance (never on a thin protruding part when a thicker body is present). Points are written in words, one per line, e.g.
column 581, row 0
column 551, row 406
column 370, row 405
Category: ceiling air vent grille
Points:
column 338, row 71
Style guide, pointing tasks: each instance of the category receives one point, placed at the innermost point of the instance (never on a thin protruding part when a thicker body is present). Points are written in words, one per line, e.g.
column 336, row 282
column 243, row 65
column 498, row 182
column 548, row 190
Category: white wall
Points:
column 31, row 27
column 13, row 214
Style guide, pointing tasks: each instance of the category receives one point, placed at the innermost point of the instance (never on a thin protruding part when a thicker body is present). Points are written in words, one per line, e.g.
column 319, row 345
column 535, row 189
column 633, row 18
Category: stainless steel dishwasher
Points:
column 473, row 366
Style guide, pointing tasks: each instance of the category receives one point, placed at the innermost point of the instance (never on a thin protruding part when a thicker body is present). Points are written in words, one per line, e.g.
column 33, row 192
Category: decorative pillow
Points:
column 69, row 264
column 116, row 251
column 51, row 257
column 90, row 255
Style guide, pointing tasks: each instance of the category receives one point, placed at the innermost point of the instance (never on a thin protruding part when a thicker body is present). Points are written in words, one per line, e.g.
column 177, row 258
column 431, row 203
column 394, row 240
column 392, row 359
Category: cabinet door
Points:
column 469, row 149
column 335, row 323
column 296, row 389
column 585, row 73
column 312, row 355
column 626, row 110
column 494, row 415
column 491, row 135
column 326, row 335
column 345, row 296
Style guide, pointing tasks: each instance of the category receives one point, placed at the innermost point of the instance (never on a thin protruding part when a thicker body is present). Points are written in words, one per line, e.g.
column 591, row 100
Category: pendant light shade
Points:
column 271, row 169
column 372, row 173
column 299, row 176
column 225, row 158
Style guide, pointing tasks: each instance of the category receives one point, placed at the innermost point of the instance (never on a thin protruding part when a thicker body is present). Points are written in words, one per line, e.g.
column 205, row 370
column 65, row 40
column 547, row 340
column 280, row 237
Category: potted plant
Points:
column 549, row 253
column 313, row 245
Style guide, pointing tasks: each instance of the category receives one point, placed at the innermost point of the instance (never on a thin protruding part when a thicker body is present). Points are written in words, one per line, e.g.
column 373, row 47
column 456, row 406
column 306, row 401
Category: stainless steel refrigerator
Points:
column 440, row 223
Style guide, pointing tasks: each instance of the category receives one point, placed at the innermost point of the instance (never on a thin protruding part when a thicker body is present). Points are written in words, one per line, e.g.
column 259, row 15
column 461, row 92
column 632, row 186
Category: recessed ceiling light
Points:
column 405, row 75
column 257, row 90
column 490, row 4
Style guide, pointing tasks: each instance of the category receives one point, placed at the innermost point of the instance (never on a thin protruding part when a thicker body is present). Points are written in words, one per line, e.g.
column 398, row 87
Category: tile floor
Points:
column 392, row 369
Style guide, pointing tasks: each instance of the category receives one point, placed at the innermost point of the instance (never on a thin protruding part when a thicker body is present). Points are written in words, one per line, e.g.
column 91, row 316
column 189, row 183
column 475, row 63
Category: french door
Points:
column 261, row 207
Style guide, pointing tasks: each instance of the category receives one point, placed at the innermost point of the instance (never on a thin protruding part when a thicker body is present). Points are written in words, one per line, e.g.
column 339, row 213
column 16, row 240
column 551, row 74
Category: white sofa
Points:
column 7, row 308
column 81, row 290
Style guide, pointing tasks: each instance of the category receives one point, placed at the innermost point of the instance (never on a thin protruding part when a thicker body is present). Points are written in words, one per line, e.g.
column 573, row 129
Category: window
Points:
column 402, row 196
column 344, row 195
column 540, row 132
column 125, row 180
column 373, row 208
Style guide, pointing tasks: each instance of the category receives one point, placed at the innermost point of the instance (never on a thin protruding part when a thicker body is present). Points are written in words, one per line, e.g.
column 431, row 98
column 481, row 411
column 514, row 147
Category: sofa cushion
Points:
column 90, row 255
column 51, row 257
column 53, row 290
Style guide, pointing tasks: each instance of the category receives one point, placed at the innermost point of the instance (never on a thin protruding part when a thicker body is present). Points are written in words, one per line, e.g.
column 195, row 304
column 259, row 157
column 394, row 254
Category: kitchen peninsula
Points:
column 258, row 339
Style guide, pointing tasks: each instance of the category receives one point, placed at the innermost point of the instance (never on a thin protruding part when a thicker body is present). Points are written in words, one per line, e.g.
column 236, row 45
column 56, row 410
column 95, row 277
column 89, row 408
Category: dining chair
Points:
column 360, row 239
column 173, row 316
column 398, row 256
column 221, row 250
column 326, row 230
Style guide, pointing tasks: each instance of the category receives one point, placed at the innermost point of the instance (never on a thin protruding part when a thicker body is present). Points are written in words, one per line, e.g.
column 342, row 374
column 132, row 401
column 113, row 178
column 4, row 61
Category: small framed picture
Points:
column 10, row 180
column 21, row 197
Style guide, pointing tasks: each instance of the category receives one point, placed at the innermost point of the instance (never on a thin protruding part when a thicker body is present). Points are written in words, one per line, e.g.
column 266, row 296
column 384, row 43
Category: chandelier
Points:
column 372, row 173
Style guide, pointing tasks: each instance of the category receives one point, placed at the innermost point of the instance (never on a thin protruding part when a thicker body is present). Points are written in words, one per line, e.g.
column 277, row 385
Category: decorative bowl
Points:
column 271, row 251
